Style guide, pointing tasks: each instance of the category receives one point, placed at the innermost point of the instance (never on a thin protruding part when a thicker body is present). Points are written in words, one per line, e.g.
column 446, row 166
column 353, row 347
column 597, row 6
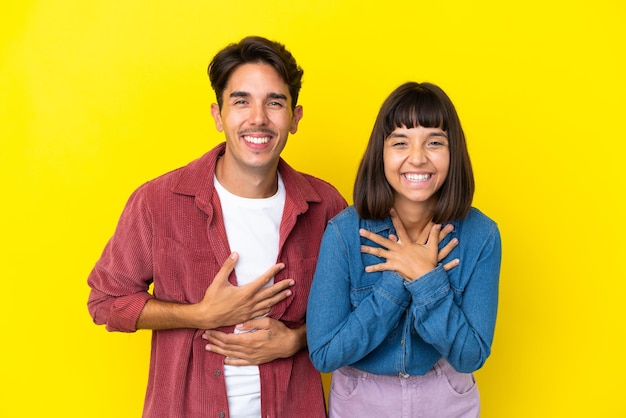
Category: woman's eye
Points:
column 437, row 143
column 397, row 139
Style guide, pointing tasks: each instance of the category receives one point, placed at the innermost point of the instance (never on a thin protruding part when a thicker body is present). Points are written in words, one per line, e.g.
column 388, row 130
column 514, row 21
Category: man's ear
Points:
column 217, row 116
column 297, row 115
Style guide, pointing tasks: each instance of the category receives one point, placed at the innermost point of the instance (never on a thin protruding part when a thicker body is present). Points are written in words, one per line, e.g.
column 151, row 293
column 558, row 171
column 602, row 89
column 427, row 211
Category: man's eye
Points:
column 275, row 104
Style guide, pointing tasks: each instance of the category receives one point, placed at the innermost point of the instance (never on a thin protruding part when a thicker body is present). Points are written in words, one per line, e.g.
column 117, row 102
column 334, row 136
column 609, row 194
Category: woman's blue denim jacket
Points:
column 380, row 323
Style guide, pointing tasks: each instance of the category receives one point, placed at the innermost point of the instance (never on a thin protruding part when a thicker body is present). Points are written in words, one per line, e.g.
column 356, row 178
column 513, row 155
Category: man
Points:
column 230, row 243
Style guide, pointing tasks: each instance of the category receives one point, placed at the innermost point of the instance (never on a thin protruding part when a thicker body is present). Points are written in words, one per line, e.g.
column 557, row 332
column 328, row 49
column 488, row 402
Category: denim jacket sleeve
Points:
column 341, row 330
column 455, row 311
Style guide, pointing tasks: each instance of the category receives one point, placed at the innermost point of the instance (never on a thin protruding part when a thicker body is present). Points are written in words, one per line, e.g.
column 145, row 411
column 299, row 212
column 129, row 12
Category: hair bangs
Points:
column 419, row 107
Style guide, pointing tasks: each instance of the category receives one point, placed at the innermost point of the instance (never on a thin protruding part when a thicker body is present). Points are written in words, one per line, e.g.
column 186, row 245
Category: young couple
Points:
column 400, row 304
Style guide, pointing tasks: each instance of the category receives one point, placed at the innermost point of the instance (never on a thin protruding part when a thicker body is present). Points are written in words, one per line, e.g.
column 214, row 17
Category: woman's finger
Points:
column 375, row 238
column 445, row 231
column 447, row 249
column 450, row 265
column 397, row 224
column 377, row 251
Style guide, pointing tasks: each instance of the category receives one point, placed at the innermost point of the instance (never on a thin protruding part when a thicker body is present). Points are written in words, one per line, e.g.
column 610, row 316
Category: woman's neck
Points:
column 414, row 217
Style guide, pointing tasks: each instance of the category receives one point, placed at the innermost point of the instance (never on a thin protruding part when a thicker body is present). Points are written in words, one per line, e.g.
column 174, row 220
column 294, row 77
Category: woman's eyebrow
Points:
column 395, row 134
column 439, row 133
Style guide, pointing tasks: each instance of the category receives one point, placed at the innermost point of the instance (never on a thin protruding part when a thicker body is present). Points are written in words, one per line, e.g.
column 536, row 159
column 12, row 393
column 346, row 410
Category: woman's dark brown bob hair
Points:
column 412, row 105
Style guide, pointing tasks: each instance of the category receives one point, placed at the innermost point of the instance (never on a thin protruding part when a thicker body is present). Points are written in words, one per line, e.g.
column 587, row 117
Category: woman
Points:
column 403, row 303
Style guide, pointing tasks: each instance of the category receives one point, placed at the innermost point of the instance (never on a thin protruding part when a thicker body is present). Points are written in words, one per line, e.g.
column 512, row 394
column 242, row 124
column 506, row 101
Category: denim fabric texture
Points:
column 382, row 324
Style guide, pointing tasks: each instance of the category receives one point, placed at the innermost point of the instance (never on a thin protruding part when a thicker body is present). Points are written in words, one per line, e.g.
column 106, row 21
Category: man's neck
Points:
column 248, row 183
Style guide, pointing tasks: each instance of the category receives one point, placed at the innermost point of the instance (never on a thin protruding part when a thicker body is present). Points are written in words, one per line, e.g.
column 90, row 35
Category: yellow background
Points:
column 97, row 97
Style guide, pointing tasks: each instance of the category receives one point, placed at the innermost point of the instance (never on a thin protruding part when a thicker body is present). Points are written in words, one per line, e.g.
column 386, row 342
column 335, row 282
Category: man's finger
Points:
column 265, row 278
column 226, row 269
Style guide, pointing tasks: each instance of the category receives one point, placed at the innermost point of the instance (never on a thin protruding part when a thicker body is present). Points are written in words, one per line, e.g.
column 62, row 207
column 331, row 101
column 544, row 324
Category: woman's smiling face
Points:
column 416, row 162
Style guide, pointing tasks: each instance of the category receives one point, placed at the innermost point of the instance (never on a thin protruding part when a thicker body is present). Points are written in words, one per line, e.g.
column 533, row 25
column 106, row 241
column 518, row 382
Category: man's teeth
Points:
column 417, row 177
column 257, row 140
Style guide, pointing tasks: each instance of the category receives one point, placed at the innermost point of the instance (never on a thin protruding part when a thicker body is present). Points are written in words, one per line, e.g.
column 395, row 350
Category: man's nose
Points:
column 258, row 115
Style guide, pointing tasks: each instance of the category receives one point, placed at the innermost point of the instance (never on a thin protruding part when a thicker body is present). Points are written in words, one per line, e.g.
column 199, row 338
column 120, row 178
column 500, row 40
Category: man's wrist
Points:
column 200, row 317
column 299, row 340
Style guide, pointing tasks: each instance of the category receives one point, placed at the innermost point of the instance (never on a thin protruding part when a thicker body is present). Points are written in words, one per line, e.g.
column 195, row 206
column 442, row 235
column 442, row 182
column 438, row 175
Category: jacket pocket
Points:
column 182, row 274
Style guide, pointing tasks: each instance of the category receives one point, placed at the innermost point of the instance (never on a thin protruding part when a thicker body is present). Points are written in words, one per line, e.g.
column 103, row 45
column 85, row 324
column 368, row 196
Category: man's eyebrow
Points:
column 277, row 96
column 239, row 94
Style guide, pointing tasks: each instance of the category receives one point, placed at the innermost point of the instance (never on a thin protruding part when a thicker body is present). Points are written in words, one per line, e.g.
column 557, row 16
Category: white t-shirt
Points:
column 252, row 228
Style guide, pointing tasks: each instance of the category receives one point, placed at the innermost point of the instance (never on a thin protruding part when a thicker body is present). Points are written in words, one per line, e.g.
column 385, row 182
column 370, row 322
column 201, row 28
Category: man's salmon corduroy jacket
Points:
column 171, row 235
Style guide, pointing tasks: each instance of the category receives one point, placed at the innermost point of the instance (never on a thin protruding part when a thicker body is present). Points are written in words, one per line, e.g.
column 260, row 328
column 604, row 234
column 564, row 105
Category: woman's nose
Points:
column 417, row 155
